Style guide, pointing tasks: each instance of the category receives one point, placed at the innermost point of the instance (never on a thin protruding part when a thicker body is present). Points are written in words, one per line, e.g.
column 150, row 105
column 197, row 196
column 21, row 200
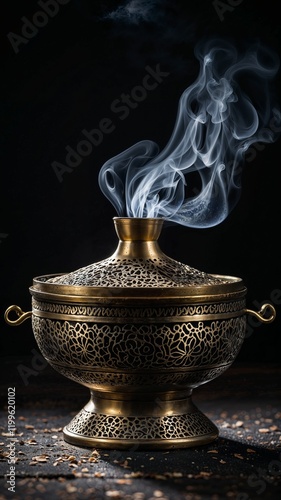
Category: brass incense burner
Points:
column 141, row 330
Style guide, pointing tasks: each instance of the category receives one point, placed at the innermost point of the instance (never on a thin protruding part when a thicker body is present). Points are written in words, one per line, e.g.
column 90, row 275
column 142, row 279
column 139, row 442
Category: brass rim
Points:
column 139, row 444
column 232, row 289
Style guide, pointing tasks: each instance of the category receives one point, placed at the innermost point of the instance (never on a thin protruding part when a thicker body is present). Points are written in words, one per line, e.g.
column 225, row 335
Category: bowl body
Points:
column 138, row 340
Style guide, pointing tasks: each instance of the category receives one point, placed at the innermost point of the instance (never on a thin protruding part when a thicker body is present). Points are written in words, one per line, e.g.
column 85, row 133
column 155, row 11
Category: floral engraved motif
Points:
column 139, row 346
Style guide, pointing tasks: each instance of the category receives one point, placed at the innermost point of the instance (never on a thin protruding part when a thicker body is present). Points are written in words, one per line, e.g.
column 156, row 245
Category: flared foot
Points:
column 138, row 432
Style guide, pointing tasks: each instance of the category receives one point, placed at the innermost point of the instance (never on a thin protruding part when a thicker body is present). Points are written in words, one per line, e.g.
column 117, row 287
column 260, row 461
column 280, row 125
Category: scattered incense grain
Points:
column 31, row 441
column 239, row 423
column 114, row 494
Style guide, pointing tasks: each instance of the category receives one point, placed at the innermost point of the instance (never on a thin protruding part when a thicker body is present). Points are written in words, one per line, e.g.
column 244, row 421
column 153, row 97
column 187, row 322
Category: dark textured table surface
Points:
column 243, row 463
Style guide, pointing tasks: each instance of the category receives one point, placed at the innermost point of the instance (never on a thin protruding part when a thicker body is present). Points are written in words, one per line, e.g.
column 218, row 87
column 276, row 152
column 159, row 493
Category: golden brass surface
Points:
column 159, row 404
column 141, row 331
column 82, row 439
column 154, row 424
column 91, row 294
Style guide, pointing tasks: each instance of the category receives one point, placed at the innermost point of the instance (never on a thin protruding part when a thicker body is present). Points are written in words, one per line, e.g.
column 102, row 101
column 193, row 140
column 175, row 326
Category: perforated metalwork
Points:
column 111, row 427
column 86, row 347
column 145, row 273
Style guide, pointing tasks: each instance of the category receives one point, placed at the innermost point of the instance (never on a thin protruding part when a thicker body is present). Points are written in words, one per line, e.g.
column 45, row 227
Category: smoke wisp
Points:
column 220, row 115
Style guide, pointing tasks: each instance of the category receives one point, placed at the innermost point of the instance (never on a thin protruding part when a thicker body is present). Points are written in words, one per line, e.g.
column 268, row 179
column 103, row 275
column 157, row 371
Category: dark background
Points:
column 64, row 80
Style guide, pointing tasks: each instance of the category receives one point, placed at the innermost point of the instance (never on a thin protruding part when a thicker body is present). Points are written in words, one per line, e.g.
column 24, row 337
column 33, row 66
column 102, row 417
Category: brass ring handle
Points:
column 22, row 316
column 265, row 309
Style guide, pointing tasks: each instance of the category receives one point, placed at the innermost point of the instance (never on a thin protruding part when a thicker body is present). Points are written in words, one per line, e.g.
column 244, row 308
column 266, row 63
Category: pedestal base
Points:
column 121, row 427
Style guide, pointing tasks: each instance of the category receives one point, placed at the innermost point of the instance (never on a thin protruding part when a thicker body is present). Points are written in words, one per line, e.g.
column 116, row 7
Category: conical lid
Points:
column 140, row 267
column 138, row 262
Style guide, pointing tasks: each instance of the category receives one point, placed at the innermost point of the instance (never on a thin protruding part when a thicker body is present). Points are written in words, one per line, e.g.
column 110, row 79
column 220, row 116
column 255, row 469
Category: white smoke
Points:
column 134, row 11
column 217, row 122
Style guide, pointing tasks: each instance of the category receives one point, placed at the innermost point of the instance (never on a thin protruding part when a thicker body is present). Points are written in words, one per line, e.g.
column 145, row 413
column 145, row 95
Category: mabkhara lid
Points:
column 138, row 267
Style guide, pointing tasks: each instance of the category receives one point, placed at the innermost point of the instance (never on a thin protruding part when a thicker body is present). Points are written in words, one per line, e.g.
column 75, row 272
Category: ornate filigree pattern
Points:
column 111, row 427
column 144, row 273
column 83, row 345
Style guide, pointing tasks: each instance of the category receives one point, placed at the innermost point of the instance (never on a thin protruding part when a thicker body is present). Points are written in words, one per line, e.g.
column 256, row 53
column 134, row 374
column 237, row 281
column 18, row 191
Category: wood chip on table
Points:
column 41, row 458
column 124, row 464
column 136, row 474
column 160, row 476
column 115, row 494
column 239, row 423
column 225, row 425
column 124, row 481
column 31, row 441
column 70, row 488
column 203, row 474
column 158, row 494
column 177, row 474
